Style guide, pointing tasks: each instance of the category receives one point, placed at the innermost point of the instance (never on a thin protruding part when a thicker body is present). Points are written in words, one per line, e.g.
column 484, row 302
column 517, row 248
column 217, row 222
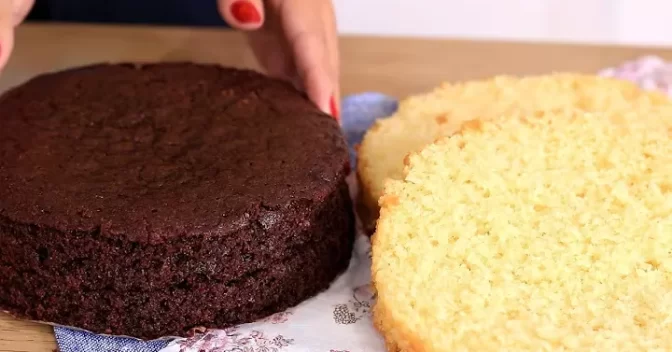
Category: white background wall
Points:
column 632, row 22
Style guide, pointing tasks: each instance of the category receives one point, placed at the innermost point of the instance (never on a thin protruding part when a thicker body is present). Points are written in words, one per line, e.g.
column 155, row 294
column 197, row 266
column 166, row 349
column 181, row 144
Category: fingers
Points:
column 12, row 12
column 241, row 14
column 310, row 57
column 271, row 49
column 6, row 31
column 271, row 53
column 333, row 53
column 298, row 42
column 313, row 44
column 21, row 9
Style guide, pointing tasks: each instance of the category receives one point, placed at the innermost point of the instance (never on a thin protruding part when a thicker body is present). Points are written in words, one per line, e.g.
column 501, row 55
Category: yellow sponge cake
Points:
column 531, row 232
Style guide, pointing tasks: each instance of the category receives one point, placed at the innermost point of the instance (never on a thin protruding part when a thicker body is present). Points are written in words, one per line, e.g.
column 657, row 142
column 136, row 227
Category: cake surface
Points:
column 422, row 119
column 146, row 200
column 546, row 232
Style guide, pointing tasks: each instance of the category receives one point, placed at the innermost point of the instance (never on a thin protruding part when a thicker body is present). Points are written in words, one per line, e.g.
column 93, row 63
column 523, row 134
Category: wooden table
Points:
column 394, row 66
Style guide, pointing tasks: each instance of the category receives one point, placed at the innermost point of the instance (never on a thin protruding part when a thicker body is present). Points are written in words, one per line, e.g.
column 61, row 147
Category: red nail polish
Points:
column 245, row 12
column 334, row 108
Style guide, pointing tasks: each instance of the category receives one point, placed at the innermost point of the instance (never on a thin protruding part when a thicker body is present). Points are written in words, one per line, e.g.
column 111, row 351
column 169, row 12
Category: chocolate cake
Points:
column 148, row 200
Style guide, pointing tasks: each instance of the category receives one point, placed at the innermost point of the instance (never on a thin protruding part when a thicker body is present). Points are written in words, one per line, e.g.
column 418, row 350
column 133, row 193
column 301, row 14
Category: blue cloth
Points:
column 358, row 112
column 70, row 340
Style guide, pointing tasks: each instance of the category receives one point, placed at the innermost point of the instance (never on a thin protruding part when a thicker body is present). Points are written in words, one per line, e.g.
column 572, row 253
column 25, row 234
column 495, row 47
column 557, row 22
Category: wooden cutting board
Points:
column 23, row 336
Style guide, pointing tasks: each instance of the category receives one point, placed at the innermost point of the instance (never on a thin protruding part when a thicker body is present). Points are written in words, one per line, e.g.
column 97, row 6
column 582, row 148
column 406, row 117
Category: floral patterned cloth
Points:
column 337, row 320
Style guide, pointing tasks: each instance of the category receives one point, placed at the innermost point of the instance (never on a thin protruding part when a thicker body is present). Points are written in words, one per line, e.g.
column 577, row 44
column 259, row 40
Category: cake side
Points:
column 83, row 280
column 530, row 232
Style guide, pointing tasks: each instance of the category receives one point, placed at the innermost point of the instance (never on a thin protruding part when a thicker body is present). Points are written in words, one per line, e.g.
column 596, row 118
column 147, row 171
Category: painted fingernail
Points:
column 334, row 108
column 245, row 12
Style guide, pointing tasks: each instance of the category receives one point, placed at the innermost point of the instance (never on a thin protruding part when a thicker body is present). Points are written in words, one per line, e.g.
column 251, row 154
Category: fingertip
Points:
column 321, row 92
column 242, row 14
column 313, row 72
column 330, row 104
column 334, row 107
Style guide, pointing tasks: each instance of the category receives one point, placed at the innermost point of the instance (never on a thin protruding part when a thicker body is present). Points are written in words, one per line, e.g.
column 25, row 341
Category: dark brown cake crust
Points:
column 148, row 200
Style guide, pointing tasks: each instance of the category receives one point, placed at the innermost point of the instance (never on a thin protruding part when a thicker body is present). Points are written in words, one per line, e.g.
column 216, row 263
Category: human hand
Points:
column 294, row 40
column 12, row 12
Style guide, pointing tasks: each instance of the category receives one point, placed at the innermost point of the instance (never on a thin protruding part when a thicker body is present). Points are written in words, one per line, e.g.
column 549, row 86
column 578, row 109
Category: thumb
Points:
column 242, row 14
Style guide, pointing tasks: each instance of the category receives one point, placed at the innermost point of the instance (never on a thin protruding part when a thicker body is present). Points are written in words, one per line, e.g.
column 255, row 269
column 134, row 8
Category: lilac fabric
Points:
column 358, row 113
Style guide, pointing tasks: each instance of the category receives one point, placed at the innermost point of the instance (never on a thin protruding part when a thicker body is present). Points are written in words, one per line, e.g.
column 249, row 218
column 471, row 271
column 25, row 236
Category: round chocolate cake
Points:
column 149, row 200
